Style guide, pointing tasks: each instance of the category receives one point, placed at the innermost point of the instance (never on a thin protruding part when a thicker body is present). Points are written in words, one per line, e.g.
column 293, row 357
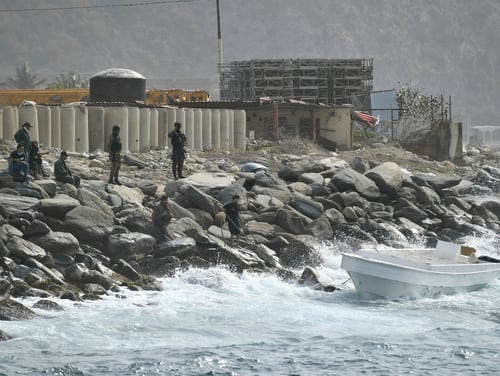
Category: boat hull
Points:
column 377, row 276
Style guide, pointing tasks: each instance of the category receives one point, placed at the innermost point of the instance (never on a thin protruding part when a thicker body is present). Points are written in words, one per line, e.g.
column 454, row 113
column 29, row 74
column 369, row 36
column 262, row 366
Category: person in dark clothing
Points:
column 18, row 166
column 232, row 211
column 35, row 160
column 115, row 149
column 23, row 137
column 161, row 218
column 178, row 140
column 63, row 173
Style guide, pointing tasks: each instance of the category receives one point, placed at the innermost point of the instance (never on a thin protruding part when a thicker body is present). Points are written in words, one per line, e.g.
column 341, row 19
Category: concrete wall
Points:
column 91, row 129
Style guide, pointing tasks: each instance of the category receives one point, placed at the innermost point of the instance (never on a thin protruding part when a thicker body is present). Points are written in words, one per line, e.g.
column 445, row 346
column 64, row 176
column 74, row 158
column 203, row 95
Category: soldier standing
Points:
column 115, row 149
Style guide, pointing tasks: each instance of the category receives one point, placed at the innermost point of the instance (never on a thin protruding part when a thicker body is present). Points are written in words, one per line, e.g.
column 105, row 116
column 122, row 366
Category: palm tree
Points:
column 24, row 79
column 68, row 81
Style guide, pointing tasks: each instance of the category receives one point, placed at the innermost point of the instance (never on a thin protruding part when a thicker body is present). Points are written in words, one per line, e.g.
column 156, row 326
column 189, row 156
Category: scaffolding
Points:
column 328, row 81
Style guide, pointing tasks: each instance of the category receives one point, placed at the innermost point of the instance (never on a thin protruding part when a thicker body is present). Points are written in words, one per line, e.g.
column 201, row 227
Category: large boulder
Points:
column 58, row 206
column 388, row 177
column 88, row 198
column 88, row 224
column 129, row 246
column 349, row 179
column 11, row 310
column 22, row 248
column 200, row 200
column 55, row 242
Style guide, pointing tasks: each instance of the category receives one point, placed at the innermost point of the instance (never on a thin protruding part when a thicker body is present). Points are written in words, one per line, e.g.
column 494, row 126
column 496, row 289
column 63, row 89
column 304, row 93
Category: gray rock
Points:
column 36, row 227
column 75, row 272
column 388, row 177
column 87, row 224
column 58, row 206
column 55, row 242
column 88, row 198
column 348, row 179
column 181, row 247
column 7, row 231
column 298, row 254
column 300, row 187
column 13, row 204
column 267, row 254
column 95, row 277
column 124, row 268
column 11, row 310
column 307, row 206
column 200, row 199
column 320, row 228
column 131, row 246
column 19, row 247
column 148, row 187
column 225, row 196
column 139, row 220
column 311, row 178
column 48, row 305
column 265, row 179
column 292, row 221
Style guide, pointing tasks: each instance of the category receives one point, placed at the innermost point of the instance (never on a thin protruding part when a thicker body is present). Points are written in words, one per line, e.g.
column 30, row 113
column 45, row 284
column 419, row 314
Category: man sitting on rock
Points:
column 18, row 166
column 63, row 173
column 35, row 160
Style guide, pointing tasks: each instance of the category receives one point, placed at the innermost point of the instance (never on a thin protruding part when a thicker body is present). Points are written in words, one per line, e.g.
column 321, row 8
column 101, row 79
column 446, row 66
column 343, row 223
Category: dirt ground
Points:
column 274, row 153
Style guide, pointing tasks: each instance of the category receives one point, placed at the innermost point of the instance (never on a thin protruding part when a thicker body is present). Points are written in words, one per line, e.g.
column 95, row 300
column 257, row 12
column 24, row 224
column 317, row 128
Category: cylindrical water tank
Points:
column 240, row 129
column 117, row 85
column 162, row 127
column 206, row 124
column 231, row 130
column 198, row 136
column 215, row 129
column 116, row 116
column 133, row 129
column 189, row 127
column 224, row 129
column 68, row 127
column 9, row 122
column 153, row 129
column 44, row 125
column 29, row 113
column 96, row 128
column 144, row 129
column 81, row 128
column 55, row 126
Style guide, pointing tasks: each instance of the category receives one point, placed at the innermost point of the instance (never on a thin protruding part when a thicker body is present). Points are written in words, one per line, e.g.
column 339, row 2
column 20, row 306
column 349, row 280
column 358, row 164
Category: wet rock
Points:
column 11, row 310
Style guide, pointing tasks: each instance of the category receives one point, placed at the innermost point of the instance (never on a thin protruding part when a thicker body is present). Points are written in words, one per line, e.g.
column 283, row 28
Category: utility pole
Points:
column 220, row 59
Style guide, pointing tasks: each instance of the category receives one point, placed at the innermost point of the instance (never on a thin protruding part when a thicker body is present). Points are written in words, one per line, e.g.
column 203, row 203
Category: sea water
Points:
column 215, row 322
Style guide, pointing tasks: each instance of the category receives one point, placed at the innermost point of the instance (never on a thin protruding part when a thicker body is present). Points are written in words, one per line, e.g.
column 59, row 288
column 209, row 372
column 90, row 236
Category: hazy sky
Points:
column 445, row 47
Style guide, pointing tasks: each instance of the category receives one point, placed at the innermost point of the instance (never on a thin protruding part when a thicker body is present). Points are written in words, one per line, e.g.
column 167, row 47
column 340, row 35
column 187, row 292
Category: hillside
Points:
column 442, row 47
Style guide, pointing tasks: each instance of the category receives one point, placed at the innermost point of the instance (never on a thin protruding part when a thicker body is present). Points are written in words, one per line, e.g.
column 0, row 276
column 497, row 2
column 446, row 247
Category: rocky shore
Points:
column 60, row 241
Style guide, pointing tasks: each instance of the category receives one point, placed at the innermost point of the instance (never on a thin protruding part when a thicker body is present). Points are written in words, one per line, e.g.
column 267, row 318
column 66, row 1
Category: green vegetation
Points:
column 24, row 79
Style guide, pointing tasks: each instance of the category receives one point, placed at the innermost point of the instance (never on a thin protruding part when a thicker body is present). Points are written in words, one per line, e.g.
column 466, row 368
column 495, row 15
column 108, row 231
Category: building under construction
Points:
column 328, row 81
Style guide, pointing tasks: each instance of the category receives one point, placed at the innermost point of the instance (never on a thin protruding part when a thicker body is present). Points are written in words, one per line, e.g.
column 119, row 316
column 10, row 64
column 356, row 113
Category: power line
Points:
column 93, row 6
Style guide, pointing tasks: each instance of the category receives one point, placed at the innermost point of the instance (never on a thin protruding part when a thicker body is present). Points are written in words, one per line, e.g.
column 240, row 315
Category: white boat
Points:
column 417, row 273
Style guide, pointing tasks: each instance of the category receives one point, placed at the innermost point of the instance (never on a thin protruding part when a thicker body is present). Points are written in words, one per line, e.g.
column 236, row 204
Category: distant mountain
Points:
column 445, row 47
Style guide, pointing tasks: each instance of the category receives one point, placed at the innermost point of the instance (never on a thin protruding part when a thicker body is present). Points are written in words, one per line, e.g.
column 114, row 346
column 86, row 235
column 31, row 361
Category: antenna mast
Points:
column 220, row 60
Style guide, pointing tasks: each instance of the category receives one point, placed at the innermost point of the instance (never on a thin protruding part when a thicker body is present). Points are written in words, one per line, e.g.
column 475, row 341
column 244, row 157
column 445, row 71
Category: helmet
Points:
column 116, row 127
